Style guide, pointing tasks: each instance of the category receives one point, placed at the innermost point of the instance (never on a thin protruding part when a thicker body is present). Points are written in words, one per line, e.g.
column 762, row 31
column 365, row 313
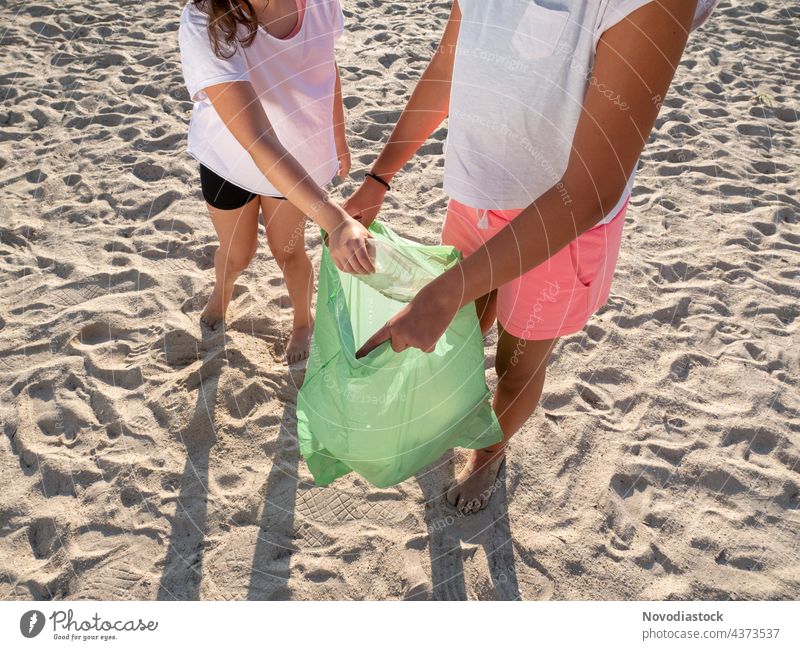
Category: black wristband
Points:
column 379, row 179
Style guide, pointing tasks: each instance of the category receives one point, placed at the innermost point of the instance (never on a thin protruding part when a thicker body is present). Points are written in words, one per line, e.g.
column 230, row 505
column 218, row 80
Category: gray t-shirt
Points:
column 521, row 71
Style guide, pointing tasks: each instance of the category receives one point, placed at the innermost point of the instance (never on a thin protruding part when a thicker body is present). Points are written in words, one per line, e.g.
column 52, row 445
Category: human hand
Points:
column 420, row 324
column 343, row 154
column 366, row 201
column 348, row 244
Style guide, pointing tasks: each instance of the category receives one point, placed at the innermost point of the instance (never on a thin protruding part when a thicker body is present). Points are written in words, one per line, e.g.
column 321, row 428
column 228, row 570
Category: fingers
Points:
column 381, row 336
column 353, row 266
column 358, row 261
column 385, row 333
column 365, row 258
column 349, row 264
column 348, row 246
column 398, row 345
column 402, row 331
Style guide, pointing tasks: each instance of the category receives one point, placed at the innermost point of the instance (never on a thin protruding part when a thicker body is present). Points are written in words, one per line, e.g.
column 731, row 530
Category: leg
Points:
column 521, row 367
column 238, row 236
column 486, row 306
column 285, row 226
column 460, row 230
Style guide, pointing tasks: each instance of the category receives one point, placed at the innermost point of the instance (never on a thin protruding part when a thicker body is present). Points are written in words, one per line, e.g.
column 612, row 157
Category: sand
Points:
column 144, row 459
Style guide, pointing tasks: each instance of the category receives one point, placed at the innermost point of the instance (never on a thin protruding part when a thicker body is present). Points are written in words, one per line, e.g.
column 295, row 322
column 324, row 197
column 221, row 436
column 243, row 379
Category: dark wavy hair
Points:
column 225, row 17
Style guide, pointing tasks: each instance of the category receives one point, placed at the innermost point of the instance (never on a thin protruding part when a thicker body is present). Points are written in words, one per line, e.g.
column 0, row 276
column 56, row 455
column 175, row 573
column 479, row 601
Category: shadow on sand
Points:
column 183, row 565
column 275, row 543
column 447, row 530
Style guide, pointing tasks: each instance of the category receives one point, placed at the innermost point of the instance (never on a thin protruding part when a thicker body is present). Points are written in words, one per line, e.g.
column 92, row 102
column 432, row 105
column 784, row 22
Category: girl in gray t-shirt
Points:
column 550, row 103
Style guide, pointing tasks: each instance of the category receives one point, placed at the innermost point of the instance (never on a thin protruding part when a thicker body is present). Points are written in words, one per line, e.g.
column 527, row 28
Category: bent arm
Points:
column 240, row 109
column 637, row 59
column 426, row 109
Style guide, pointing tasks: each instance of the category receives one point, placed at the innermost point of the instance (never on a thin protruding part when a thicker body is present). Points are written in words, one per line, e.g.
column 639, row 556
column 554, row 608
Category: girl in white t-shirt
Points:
column 267, row 128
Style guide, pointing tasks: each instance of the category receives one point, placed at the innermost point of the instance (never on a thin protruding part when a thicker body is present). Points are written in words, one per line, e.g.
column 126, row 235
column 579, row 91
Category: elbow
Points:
column 592, row 198
column 609, row 199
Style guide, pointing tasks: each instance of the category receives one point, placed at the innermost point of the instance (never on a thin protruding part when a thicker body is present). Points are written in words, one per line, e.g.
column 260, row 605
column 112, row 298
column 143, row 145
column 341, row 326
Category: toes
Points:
column 210, row 321
column 461, row 505
column 296, row 357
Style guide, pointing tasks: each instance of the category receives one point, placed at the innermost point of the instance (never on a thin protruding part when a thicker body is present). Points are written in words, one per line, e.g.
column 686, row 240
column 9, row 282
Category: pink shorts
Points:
column 558, row 296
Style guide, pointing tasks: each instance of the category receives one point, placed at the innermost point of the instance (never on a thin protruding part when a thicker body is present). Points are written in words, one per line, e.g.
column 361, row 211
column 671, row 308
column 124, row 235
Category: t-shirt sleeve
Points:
column 201, row 67
column 618, row 10
column 703, row 11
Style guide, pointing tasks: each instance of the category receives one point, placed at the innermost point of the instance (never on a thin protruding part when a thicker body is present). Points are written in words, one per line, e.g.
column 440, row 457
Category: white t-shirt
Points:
column 294, row 78
column 520, row 75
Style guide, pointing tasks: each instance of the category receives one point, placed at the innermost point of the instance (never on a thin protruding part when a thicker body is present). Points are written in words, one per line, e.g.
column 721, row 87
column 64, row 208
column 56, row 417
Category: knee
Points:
column 290, row 256
column 234, row 261
column 514, row 376
column 512, row 380
column 517, row 384
column 508, row 364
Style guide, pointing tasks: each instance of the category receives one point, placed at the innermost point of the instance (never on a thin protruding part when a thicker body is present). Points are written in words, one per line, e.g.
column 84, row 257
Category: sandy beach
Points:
column 144, row 458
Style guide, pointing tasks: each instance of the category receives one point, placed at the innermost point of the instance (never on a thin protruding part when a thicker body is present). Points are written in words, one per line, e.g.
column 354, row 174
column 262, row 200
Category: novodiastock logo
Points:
column 31, row 623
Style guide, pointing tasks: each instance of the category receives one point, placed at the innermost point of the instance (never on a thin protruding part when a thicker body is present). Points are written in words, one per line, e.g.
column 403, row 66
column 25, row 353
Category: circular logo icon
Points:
column 31, row 623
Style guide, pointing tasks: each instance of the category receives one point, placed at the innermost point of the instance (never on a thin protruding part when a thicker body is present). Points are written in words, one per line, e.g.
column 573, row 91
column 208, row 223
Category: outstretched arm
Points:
column 239, row 108
column 637, row 59
column 425, row 111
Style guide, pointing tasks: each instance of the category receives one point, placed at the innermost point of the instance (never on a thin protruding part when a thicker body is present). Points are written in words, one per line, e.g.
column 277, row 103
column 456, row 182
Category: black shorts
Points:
column 222, row 194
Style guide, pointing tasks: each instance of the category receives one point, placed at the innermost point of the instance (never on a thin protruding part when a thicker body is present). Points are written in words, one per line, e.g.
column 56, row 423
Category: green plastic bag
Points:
column 388, row 415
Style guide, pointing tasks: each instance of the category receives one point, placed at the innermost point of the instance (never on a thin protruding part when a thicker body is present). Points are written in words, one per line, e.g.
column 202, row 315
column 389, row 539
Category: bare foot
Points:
column 214, row 312
column 477, row 481
column 299, row 343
